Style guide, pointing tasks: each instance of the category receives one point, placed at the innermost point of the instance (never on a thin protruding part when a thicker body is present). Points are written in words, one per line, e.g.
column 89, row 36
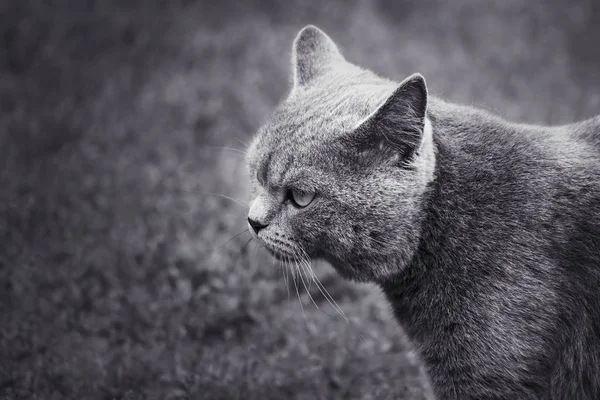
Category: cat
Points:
column 483, row 234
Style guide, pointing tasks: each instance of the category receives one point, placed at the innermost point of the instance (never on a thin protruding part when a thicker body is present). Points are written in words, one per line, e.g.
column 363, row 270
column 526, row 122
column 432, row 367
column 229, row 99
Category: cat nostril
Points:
column 256, row 226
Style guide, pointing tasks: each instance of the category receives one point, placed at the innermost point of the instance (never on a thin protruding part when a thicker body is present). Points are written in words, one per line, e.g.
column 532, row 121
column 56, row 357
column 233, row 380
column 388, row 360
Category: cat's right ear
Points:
column 399, row 122
column 313, row 54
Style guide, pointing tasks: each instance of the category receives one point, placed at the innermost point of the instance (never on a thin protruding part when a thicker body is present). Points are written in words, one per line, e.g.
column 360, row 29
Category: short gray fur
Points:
column 483, row 234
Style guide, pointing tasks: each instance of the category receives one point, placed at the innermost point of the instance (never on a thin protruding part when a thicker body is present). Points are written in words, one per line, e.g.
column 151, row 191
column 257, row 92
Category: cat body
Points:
column 502, row 297
column 483, row 234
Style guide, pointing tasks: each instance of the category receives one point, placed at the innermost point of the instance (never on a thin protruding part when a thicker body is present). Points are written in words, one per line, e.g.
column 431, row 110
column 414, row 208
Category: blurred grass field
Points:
column 118, row 278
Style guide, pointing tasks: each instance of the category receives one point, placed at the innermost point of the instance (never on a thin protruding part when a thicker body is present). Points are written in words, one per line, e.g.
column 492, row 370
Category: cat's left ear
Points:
column 399, row 121
column 313, row 54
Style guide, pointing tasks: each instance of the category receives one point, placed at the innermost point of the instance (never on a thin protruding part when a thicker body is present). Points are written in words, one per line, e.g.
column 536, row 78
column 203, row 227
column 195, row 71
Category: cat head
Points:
column 339, row 169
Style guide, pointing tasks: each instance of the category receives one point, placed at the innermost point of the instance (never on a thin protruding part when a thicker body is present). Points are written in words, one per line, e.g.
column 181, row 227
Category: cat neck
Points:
column 473, row 183
column 483, row 206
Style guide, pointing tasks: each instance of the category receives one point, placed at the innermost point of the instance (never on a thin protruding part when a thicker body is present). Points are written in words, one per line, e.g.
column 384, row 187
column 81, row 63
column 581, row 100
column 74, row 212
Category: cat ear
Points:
column 313, row 54
column 399, row 121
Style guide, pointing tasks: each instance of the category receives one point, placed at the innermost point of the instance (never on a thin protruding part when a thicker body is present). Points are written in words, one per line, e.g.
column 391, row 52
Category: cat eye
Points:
column 300, row 198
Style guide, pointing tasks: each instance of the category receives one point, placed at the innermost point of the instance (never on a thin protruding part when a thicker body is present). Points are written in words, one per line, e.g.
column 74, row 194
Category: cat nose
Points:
column 256, row 226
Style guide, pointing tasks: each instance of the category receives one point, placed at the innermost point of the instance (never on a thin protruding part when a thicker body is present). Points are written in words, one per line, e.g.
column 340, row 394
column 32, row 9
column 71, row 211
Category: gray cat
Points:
column 484, row 234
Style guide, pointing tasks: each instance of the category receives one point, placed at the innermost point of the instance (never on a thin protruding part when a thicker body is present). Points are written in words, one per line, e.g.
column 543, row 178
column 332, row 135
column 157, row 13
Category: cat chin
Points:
column 278, row 256
column 277, row 253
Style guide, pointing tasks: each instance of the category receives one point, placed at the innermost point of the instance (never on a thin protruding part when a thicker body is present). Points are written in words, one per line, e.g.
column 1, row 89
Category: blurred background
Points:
column 122, row 129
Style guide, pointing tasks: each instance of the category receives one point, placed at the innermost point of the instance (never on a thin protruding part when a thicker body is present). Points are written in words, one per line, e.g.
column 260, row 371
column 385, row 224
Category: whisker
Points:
column 240, row 202
column 323, row 290
column 306, row 268
column 361, row 337
column 289, row 274
column 300, row 270
column 227, row 148
column 329, row 298
column 310, row 273
column 239, row 253
column 242, row 142
column 298, row 294
column 232, row 238
column 314, row 278
column 285, row 279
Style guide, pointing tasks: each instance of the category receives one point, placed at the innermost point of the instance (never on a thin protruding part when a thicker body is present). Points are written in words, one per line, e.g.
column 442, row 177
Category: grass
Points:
column 118, row 278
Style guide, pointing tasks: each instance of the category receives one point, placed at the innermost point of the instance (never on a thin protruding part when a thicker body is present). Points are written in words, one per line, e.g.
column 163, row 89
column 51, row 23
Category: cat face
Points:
column 338, row 171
